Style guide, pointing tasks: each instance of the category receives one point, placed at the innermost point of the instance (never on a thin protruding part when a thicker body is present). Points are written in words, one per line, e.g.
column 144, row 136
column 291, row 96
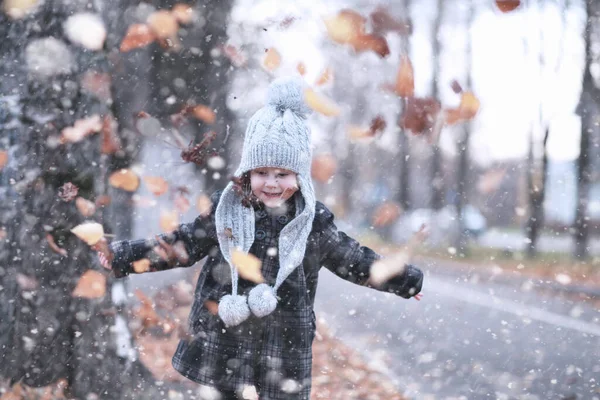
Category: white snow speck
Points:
column 216, row 162
column 48, row 57
column 86, row 30
column 563, row 279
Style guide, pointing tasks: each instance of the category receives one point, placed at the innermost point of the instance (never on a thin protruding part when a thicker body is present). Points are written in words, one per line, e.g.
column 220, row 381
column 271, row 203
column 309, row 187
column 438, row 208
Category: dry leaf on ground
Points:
column 91, row 285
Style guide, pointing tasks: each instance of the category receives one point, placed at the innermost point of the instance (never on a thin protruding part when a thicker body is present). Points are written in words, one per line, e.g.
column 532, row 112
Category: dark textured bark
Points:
column 46, row 334
column 537, row 173
column 437, row 181
column 587, row 109
column 404, row 192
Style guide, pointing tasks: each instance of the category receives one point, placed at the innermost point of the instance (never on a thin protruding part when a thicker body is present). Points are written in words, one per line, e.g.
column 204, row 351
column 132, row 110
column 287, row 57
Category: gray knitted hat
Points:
column 277, row 136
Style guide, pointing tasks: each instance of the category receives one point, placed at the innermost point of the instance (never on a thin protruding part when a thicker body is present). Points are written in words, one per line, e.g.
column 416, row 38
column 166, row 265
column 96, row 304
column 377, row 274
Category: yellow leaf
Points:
column 169, row 220
column 141, row 266
column 248, row 266
column 91, row 285
column 85, row 207
column 82, row 128
column 163, row 24
column 345, row 27
column 204, row 205
column 124, row 179
column 157, row 185
column 272, row 59
column 89, row 232
column 321, row 104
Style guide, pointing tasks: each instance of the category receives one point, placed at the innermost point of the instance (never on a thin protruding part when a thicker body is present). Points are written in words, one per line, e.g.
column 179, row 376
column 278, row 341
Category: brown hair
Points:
column 243, row 188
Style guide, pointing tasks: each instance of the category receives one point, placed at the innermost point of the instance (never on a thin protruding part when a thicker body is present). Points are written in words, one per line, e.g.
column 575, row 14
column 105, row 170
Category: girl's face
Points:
column 273, row 186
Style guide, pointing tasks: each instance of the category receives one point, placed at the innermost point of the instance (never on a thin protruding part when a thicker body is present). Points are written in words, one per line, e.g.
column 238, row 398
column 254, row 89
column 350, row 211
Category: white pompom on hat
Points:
column 277, row 136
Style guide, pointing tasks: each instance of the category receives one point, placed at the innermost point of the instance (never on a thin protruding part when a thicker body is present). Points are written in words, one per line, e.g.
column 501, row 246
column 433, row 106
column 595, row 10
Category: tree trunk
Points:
column 47, row 333
column 404, row 197
column 587, row 109
column 537, row 191
column 437, row 181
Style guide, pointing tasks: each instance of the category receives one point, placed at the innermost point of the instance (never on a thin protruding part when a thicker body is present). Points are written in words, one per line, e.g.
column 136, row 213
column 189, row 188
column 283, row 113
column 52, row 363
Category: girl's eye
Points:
column 262, row 173
column 282, row 175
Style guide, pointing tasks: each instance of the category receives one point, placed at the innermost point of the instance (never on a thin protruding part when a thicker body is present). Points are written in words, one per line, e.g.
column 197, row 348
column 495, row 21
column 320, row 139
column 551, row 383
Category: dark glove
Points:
column 407, row 284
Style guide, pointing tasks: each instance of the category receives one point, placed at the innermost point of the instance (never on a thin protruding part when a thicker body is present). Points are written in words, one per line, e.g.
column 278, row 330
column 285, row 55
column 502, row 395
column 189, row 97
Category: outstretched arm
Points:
column 181, row 248
column 346, row 258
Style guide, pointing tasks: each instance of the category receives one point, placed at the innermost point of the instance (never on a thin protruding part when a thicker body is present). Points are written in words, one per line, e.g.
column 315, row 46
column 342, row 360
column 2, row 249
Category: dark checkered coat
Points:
column 274, row 353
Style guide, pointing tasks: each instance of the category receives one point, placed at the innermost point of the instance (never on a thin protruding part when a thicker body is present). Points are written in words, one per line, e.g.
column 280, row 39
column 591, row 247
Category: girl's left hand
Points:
column 418, row 296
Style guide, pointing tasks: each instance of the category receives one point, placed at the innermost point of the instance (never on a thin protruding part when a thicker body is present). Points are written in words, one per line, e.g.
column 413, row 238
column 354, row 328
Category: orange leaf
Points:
column 89, row 232
column 85, row 207
column 82, row 128
column 163, row 24
column 357, row 132
column 371, row 42
column 204, row 114
column 204, row 205
column 325, row 77
column 507, row 5
column 212, row 307
column 345, row 27
column 141, row 266
column 157, row 185
column 301, row 67
column 323, row 167
column 383, row 22
column 237, row 58
column 110, row 139
column 321, row 104
column 169, row 220
column 248, row 266
column 272, row 59
column 138, row 35
column 91, row 285
column 183, row 13
column 386, row 213
column 3, row 158
column 124, row 179
column 405, row 79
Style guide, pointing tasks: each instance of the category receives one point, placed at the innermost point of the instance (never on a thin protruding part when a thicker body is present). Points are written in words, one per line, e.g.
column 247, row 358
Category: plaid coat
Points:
column 273, row 353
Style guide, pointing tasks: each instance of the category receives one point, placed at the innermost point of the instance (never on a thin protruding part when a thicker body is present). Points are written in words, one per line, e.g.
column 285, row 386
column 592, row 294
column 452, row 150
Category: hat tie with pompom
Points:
column 278, row 137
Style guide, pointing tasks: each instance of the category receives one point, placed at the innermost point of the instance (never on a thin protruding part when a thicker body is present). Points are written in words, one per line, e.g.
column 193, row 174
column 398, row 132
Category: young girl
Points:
column 261, row 334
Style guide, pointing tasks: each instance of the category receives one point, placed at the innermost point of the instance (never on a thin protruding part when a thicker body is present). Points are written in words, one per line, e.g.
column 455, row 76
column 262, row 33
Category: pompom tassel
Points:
column 262, row 300
column 233, row 310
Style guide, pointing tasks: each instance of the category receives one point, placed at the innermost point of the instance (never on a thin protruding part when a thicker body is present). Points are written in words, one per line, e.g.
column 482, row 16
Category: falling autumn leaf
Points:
column 169, row 220
column 103, row 200
column 383, row 22
column 157, row 185
column 91, row 285
column 345, row 27
column 183, row 13
column 89, row 232
column 212, row 307
column 301, row 67
column 85, row 207
column 204, row 114
column 386, row 213
column 124, row 179
column 378, row 124
column 68, row 192
column 110, row 138
column 467, row 109
column 181, row 202
column 141, row 266
column 203, row 205
column 325, row 77
column 164, row 24
column 371, row 42
column 507, row 5
column 405, row 79
column 323, row 167
column 420, row 114
column 320, row 103
column 456, row 88
column 272, row 59
column 145, row 312
column 138, row 35
column 358, row 132
column 3, row 158
column 81, row 129
column 17, row 9
column 248, row 266
column 393, row 265
column 237, row 57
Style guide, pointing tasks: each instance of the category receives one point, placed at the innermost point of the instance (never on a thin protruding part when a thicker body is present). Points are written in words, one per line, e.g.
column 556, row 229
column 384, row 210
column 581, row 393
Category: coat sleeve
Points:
column 198, row 237
column 346, row 258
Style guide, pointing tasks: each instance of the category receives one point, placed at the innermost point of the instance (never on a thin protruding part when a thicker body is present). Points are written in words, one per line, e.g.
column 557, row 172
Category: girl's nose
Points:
column 271, row 181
